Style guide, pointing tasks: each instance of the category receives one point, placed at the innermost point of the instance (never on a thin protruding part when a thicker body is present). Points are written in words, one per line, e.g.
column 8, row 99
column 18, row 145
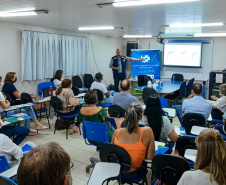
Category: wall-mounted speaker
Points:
column 130, row 46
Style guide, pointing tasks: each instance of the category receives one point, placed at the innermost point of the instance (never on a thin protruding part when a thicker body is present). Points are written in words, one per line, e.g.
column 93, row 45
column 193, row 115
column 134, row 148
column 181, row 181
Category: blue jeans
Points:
column 20, row 132
column 117, row 78
column 179, row 113
column 221, row 128
column 28, row 110
column 110, row 98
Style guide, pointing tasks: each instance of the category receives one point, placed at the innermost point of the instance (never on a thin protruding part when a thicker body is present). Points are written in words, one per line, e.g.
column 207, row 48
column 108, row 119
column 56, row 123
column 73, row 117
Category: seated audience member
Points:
column 210, row 165
column 67, row 97
column 47, row 164
column 90, row 112
column 11, row 90
column 20, row 132
column 221, row 128
column 10, row 150
column 219, row 107
column 108, row 96
column 160, row 125
column 124, row 98
column 139, row 142
column 194, row 104
column 57, row 80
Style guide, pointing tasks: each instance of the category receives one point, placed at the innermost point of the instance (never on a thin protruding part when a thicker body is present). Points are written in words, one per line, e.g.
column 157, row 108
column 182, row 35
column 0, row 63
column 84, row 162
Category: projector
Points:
column 160, row 40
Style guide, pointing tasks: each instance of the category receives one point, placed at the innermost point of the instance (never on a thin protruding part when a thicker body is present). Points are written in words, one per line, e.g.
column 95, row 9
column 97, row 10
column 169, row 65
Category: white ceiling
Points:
column 70, row 14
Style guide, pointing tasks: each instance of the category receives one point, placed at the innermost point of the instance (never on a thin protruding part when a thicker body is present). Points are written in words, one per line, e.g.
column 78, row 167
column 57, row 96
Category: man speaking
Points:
column 118, row 66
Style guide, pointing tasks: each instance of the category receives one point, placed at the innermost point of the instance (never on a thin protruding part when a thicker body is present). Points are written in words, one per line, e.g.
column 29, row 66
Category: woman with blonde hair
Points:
column 210, row 165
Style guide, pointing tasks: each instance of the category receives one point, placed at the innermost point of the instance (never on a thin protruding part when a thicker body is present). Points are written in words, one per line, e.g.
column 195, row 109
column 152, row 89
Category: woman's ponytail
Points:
column 133, row 113
column 58, row 91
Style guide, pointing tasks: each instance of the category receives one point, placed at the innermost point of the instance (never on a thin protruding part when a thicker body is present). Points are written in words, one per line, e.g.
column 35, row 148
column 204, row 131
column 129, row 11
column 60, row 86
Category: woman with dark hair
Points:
column 210, row 164
column 57, row 80
column 161, row 126
column 94, row 113
column 67, row 97
column 11, row 90
column 137, row 141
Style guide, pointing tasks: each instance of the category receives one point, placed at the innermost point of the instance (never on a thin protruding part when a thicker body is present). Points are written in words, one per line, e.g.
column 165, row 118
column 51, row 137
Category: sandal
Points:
column 32, row 133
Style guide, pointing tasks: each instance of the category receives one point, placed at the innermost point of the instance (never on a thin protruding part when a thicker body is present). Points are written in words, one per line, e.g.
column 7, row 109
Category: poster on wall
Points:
column 150, row 65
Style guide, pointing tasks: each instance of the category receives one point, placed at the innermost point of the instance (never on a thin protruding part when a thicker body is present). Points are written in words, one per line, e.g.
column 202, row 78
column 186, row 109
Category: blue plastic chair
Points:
column 43, row 85
column 164, row 102
column 4, row 165
column 96, row 132
column 6, row 181
column 112, row 121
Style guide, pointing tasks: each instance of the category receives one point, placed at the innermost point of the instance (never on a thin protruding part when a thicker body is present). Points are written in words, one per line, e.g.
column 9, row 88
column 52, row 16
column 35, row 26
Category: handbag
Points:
column 61, row 124
column 39, row 106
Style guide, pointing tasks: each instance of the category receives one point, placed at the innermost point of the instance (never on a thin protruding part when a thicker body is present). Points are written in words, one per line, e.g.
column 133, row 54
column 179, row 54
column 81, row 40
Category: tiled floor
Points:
column 76, row 148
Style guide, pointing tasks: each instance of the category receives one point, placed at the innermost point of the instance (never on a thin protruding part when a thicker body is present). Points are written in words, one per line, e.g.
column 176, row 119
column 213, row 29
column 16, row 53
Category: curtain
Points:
column 75, row 55
column 42, row 54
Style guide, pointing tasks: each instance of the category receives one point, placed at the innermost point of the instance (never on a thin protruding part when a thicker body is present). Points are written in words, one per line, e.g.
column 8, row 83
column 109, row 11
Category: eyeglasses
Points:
column 69, row 173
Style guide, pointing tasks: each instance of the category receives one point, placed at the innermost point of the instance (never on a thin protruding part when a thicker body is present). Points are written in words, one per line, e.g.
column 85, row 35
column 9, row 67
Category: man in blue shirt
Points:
column 194, row 104
column 118, row 66
column 124, row 98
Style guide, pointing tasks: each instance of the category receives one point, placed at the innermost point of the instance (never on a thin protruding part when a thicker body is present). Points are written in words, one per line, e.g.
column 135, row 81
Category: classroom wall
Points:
column 10, row 52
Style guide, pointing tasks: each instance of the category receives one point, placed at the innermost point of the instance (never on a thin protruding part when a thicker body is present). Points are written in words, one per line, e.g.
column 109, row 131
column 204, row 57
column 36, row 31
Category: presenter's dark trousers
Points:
column 117, row 78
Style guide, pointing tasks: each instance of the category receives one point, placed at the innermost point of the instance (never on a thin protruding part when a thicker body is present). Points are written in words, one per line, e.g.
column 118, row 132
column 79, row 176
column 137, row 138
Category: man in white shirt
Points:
column 9, row 149
column 108, row 95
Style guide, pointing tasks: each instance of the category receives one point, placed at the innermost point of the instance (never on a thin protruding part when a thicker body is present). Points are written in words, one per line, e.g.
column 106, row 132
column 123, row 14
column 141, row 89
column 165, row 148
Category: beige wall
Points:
column 10, row 52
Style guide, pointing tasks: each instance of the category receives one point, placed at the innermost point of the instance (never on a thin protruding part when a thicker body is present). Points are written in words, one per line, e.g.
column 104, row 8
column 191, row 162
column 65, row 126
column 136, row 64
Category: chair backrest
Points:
column 6, row 181
column 169, row 168
column 75, row 90
column 189, row 86
column 100, row 95
column 43, row 85
column 178, row 77
column 164, row 102
column 192, row 119
column 3, row 164
column 116, row 111
column 95, row 131
column 88, row 80
column 183, row 143
column 56, row 103
column 141, row 81
column 146, row 79
column 76, row 81
column 147, row 92
column 26, row 98
column 46, row 91
column 116, row 154
column 182, row 89
column 7, row 96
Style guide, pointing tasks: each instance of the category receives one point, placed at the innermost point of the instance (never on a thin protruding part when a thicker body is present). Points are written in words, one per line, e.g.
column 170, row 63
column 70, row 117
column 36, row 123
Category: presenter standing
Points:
column 118, row 66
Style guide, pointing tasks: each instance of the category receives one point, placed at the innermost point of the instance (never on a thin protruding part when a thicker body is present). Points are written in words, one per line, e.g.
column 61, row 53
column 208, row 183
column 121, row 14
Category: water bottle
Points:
column 149, row 83
column 136, row 76
column 155, row 86
column 50, row 91
column 42, row 97
column 173, row 78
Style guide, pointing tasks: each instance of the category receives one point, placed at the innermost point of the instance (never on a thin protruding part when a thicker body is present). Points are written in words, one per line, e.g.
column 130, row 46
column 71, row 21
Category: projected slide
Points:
column 182, row 54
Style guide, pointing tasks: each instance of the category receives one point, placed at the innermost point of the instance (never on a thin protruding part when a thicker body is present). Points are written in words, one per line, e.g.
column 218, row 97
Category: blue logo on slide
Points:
column 147, row 58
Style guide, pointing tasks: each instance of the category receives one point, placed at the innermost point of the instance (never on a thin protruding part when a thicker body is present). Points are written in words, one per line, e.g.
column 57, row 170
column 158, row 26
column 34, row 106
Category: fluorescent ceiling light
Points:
column 14, row 14
column 210, row 35
column 195, row 25
column 148, row 2
column 97, row 28
column 137, row 36
column 25, row 12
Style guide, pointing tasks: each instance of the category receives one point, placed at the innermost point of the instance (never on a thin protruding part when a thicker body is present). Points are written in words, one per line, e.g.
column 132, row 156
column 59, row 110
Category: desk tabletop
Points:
column 18, row 107
column 167, row 87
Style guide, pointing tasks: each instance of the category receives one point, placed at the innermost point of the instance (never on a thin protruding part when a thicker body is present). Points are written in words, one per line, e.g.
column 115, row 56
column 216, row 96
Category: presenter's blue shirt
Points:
column 129, row 59
column 197, row 105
